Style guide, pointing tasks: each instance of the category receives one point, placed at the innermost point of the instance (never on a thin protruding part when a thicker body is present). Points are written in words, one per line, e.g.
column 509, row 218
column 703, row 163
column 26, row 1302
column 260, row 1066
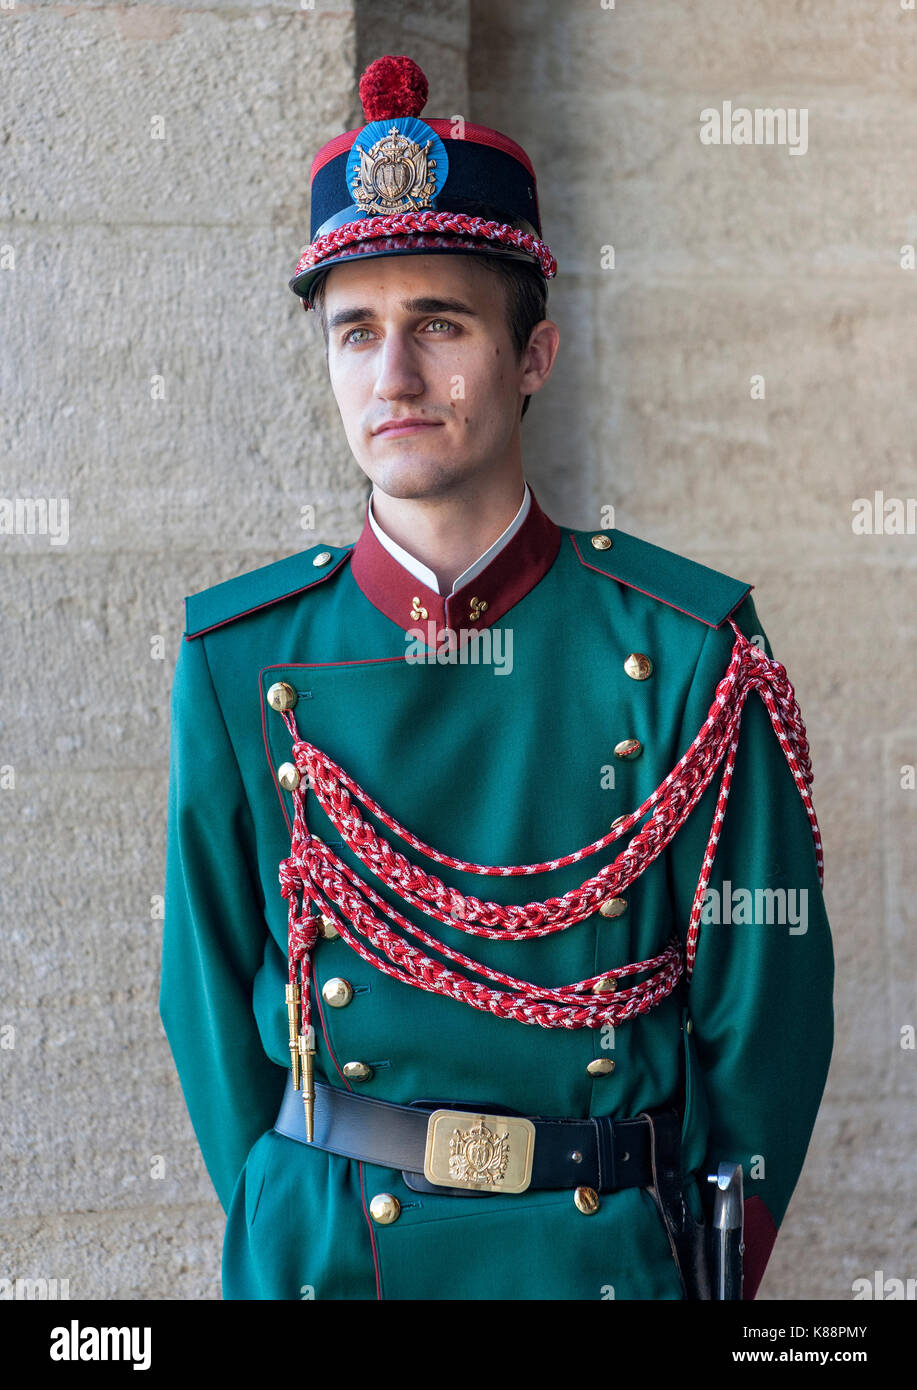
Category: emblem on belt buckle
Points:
column 490, row 1153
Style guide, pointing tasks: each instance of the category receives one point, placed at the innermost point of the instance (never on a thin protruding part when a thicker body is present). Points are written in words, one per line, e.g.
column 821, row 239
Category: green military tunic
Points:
column 494, row 764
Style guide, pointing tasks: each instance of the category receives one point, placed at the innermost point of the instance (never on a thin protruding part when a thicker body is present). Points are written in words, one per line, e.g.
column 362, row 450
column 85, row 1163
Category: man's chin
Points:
column 418, row 478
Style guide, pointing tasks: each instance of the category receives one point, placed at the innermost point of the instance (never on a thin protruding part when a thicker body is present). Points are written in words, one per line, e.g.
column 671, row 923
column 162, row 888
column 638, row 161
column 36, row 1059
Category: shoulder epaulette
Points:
column 684, row 584
column 246, row 593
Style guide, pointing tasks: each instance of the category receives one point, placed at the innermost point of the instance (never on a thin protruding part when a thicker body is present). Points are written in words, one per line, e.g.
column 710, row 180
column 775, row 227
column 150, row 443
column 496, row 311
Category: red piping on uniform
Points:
column 300, row 665
column 321, row 1019
column 318, row 665
column 608, row 575
column 269, row 760
column 372, row 1236
column 737, row 602
column 189, row 636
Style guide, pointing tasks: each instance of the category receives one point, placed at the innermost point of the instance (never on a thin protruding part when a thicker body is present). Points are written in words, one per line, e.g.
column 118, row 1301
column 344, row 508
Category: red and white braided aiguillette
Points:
column 314, row 874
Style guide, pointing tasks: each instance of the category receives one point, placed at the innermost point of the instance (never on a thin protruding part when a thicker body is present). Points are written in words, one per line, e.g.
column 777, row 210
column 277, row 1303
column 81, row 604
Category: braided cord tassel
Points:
column 770, row 679
column 302, row 934
column 324, row 879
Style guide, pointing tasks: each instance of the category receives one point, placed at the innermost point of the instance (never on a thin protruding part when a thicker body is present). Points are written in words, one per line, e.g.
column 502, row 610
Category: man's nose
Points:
column 398, row 364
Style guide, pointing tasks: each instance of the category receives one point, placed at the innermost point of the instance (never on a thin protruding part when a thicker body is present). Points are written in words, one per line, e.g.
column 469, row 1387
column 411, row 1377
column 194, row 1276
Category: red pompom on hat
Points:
column 393, row 86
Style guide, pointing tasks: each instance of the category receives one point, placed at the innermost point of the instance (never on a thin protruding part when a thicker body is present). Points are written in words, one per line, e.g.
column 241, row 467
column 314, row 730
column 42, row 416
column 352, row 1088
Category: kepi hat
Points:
column 402, row 186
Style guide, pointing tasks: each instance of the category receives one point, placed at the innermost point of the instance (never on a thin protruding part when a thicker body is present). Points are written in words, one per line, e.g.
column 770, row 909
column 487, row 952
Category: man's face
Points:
column 423, row 337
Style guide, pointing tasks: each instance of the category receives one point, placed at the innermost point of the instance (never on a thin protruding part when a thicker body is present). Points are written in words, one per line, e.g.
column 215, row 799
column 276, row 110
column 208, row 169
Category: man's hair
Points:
column 526, row 300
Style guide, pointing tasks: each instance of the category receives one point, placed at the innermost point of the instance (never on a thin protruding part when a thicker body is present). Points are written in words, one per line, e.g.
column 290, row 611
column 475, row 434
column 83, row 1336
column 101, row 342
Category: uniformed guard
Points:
column 456, row 1016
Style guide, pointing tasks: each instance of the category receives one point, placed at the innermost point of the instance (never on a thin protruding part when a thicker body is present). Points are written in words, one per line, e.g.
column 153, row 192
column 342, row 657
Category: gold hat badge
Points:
column 396, row 174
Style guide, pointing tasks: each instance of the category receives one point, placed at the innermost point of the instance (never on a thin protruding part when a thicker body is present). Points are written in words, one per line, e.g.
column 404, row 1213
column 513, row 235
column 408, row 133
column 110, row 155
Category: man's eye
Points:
column 438, row 324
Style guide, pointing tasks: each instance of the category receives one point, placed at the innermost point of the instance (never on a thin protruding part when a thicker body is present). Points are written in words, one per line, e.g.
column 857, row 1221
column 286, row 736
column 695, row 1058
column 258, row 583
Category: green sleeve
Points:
column 214, row 933
column 760, row 997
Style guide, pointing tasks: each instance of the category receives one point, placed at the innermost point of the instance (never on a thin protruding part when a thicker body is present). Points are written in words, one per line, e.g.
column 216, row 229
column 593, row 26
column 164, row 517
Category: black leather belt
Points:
column 475, row 1142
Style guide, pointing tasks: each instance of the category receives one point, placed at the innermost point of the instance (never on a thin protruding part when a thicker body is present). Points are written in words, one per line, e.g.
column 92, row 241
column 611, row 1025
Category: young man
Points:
column 494, row 921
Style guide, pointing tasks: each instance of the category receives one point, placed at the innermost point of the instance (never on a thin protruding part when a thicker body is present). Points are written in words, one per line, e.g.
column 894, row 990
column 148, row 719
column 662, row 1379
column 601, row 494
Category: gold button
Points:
column 337, row 992
column 281, row 696
column 616, row 822
column 417, row 609
column 602, row 1066
column 586, row 1200
column 327, row 928
column 628, row 748
column 322, row 558
column 357, row 1071
column 385, row 1208
column 638, row 666
column 689, row 1026
column 613, row 907
column 602, row 542
column 605, row 986
column 288, row 776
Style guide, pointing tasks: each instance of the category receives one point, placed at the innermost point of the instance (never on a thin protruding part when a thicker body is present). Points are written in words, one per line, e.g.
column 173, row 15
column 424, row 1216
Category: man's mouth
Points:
column 407, row 426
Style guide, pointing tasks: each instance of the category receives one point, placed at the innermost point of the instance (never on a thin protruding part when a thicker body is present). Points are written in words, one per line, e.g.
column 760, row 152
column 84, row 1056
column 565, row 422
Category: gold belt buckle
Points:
column 490, row 1153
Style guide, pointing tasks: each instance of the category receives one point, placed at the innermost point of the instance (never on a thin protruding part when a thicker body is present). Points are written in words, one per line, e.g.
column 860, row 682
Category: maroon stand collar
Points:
column 511, row 574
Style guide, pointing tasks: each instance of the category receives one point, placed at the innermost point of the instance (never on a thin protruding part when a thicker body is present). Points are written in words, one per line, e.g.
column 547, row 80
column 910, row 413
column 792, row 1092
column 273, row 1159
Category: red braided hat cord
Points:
column 395, row 224
column 314, row 874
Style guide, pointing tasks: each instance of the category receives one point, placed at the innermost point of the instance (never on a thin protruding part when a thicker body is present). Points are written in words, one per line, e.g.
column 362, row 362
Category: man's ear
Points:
column 542, row 348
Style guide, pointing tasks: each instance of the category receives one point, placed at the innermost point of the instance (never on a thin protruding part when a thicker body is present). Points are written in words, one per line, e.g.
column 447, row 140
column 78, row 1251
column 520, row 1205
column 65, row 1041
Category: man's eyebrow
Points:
column 428, row 305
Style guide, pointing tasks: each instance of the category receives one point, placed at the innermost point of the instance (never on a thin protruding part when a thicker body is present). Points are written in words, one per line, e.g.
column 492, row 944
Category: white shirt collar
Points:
column 425, row 575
